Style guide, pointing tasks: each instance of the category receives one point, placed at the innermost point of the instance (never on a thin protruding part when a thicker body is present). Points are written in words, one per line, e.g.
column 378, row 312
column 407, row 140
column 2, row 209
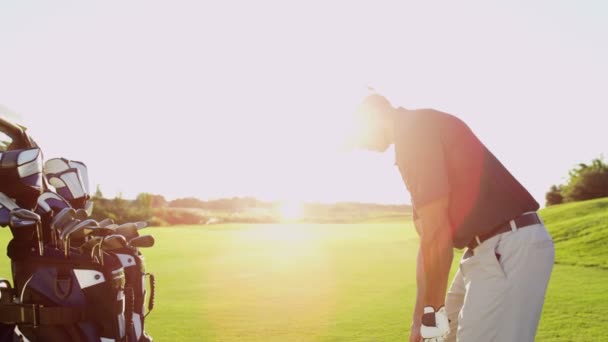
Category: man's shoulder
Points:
column 439, row 122
column 423, row 121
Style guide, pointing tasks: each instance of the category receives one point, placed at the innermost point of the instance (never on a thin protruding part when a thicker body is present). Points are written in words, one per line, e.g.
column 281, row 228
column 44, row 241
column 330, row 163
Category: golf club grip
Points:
column 152, row 292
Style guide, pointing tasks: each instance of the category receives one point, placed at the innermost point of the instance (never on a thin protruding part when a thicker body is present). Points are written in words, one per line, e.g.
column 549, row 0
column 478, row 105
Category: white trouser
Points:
column 498, row 293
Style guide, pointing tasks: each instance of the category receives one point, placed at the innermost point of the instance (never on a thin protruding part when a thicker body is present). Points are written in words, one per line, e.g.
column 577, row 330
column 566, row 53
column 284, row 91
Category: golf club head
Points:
column 114, row 242
column 102, row 231
column 106, row 222
column 23, row 224
column 65, row 216
column 88, row 246
column 82, row 214
column 144, row 241
column 20, row 217
column 61, row 231
column 83, row 228
column 141, row 224
column 128, row 230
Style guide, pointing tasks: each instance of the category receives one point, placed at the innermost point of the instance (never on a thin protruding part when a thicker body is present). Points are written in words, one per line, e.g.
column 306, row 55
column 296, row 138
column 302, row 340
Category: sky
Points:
column 217, row 99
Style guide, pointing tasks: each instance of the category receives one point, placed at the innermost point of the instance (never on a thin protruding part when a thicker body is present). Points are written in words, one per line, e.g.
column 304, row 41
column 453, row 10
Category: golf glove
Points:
column 435, row 325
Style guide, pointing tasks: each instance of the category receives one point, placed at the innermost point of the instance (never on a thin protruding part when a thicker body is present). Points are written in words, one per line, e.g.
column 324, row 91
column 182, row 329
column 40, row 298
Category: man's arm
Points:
column 437, row 252
column 418, row 308
column 419, row 280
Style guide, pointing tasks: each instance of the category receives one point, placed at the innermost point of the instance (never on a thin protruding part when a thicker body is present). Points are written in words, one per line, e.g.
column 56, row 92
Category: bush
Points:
column 585, row 182
column 554, row 196
column 156, row 221
column 173, row 216
column 121, row 210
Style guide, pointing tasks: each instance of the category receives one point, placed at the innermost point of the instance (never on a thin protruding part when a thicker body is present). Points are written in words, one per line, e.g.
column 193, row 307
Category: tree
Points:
column 157, row 201
column 98, row 193
column 585, row 182
column 554, row 196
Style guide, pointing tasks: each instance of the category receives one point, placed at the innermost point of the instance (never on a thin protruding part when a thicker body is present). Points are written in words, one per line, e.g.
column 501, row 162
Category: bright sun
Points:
column 291, row 210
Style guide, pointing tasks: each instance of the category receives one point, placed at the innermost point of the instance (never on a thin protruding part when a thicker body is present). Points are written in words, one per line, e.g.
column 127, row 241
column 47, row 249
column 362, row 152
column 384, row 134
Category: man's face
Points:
column 373, row 134
column 372, row 124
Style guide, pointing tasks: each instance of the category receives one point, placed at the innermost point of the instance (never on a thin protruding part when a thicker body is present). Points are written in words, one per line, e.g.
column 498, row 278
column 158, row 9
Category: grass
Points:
column 332, row 282
column 580, row 232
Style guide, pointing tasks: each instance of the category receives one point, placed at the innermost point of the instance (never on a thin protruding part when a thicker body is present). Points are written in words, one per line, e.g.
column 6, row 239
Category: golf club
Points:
column 71, row 228
column 128, row 230
column 79, row 230
column 65, row 216
column 89, row 246
column 144, row 241
column 111, row 242
column 106, row 222
column 81, row 214
column 20, row 218
column 114, row 242
column 141, row 224
column 102, row 231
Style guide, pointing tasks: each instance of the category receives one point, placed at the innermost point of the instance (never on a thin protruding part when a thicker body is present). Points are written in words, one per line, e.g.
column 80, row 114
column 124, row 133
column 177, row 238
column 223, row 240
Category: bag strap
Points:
column 35, row 315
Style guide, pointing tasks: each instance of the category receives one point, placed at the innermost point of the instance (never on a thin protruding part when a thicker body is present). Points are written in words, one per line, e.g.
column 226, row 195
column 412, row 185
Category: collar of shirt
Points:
column 402, row 120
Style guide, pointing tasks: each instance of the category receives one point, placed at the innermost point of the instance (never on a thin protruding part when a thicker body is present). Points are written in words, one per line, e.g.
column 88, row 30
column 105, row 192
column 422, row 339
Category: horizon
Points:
column 206, row 101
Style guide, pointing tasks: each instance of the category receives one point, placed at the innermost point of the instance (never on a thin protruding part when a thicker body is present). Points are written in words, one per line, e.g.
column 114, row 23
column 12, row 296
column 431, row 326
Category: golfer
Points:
column 463, row 197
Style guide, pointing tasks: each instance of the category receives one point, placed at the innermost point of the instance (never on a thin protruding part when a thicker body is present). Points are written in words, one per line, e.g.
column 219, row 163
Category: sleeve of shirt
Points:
column 423, row 166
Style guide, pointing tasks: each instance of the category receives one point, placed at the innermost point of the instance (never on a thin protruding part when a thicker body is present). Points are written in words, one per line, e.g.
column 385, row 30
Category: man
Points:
column 463, row 197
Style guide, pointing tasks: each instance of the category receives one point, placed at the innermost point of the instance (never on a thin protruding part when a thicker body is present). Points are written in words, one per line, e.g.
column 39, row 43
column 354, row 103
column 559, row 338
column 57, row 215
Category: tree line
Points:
column 585, row 182
column 159, row 212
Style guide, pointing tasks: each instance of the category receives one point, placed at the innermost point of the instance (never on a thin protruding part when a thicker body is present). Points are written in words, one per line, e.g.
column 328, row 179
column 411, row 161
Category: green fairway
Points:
column 580, row 232
column 321, row 283
column 353, row 282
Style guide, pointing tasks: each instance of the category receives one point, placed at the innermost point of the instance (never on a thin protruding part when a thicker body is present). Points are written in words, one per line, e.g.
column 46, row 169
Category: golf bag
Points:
column 135, row 285
column 75, row 279
column 71, row 299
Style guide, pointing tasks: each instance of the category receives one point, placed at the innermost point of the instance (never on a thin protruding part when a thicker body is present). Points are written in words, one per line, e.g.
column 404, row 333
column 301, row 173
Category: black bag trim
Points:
column 35, row 315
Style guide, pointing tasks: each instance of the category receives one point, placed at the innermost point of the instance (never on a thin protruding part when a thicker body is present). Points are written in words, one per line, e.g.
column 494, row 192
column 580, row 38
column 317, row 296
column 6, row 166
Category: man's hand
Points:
column 435, row 325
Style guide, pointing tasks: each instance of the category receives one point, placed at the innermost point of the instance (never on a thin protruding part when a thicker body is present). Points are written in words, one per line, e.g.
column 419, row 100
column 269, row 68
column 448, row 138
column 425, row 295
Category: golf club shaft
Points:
column 40, row 241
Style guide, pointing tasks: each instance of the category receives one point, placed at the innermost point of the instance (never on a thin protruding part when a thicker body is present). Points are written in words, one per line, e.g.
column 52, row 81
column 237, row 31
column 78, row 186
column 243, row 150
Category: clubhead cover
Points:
column 70, row 179
column 21, row 176
column 50, row 202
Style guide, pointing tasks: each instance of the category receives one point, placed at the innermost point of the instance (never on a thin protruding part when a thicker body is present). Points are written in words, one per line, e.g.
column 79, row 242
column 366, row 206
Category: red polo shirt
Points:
column 439, row 155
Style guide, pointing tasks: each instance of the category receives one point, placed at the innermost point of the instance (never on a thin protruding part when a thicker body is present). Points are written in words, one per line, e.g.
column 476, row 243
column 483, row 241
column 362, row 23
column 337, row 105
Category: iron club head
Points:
column 144, row 241
column 128, row 230
column 106, row 222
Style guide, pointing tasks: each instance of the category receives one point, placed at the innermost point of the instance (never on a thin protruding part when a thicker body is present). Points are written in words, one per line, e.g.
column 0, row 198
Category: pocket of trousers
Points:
column 493, row 257
column 485, row 262
column 495, row 264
